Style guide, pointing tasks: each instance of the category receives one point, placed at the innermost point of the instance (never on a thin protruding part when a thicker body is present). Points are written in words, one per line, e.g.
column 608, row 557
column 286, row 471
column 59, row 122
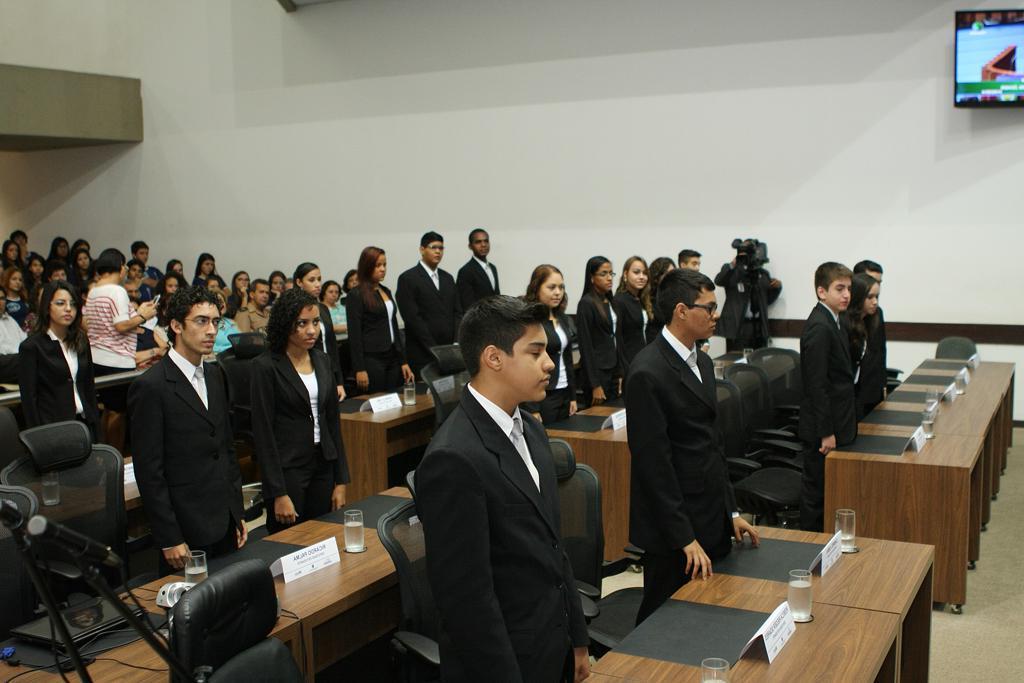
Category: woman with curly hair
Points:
column 295, row 418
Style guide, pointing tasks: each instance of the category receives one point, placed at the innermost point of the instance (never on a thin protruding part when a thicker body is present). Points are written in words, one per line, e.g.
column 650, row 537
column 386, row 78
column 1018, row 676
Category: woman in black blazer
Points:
column 377, row 354
column 860, row 321
column 633, row 306
column 307, row 277
column 55, row 370
column 596, row 322
column 299, row 449
column 548, row 287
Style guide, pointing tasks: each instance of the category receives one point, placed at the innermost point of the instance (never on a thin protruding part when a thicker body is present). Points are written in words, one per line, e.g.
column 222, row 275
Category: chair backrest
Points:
column 755, row 395
column 449, row 358
column 10, row 445
column 267, row 660
column 248, row 345
column 238, row 373
column 960, row 348
column 410, row 482
column 579, row 502
column 783, row 369
column 729, row 419
column 16, row 592
column 231, row 611
column 445, row 389
column 91, row 486
column 401, row 534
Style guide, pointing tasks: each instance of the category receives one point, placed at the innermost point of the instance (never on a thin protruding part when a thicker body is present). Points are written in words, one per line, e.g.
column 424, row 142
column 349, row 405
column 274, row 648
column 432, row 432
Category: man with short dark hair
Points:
column 255, row 315
column 742, row 320
column 55, row 269
column 828, row 415
column 428, row 302
column 682, row 510
column 184, row 457
column 688, row 258
column 151, row 274
column 478, row 278
column 487, row 496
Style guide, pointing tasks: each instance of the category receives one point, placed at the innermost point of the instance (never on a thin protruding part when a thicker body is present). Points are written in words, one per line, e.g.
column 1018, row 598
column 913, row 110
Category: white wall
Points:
column 567, row 128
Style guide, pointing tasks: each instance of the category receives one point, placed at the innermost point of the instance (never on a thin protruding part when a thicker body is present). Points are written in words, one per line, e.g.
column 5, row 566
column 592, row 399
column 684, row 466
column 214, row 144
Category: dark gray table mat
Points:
column 943, row 363
column 907, row 396
column 923, row 378
column 579, row 423
column 373, row 507
column 688, row 632
column 902, row 418
column 772, row 560
column 265, row 551
column 877, row 444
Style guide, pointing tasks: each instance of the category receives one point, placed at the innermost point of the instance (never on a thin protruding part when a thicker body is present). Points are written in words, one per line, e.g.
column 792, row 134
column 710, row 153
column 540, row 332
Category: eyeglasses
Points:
column 435, row 247
column 203, row 321
column 710, row 308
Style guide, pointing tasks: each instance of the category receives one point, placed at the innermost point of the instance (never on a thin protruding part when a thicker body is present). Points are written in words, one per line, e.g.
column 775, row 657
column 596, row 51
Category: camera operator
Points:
column 749, row 290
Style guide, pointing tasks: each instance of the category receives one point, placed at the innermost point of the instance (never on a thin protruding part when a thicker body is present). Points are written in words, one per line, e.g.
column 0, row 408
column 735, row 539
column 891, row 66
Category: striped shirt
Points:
column 107, row 305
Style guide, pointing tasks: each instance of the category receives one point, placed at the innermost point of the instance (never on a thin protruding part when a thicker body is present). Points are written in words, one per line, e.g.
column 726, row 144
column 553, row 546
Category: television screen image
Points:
column 988, row 71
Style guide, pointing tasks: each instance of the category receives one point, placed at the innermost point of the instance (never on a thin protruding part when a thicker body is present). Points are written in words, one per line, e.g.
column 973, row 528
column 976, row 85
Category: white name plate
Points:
column 950, row 393
column 917, row 440
column 308, row 560
column 616, row 420
column 974, row 361
column 829, row 555
column 773, row 634
column 379, row 404
column 966, row 374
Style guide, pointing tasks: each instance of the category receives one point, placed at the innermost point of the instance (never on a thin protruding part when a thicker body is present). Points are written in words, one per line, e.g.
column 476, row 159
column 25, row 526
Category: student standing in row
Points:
column 595, row 324
column 632, row 304
column 478, row 278
column 873, row 373
column 307, row 277
column 429, row 303
column 547, row 287
column 860, row 320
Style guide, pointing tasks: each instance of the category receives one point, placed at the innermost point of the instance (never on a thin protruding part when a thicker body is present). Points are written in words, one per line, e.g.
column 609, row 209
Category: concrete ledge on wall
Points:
column 51, row 109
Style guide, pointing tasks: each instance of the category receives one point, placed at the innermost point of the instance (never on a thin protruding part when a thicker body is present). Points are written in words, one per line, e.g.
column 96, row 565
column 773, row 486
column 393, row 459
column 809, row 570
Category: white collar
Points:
column 184, row 364
column 677, row 345
column 430, row 272
column 500, row 417
column 483, row 264
column 835, row 316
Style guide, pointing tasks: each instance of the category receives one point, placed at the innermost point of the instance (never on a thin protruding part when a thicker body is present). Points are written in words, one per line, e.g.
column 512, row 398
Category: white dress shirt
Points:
column 11, row 334
column 71, row 357
column 689, row 356
column 313, row 390
column 563, row 375
column 193, row 373
column 507, row 424
column 487, row 269
column 433, row 275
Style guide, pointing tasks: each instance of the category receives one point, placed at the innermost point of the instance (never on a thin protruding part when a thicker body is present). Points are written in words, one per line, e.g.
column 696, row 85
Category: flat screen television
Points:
column 989, row 58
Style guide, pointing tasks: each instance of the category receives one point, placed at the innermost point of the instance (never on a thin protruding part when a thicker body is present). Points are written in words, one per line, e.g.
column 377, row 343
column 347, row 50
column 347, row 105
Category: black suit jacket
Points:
column 431, row 315
column 826, row 371
column 282, row 419
column 368, row 327
column 503, row 586
column 871, row 384
column 631, row 332
column 184, row 456
column 474, row 284
column 736, row 301
column 679, row 486
column 596, row 338
column 329, row 345
column 47, row 392
column 561, row 355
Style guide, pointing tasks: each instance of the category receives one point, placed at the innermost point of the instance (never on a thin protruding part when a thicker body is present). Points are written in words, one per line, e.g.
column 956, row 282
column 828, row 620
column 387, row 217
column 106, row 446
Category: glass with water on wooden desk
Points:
column 846, row 526
column 409, row 393
column 799, row 596
column 354, row 533
column 195, row 567
column 714, row 669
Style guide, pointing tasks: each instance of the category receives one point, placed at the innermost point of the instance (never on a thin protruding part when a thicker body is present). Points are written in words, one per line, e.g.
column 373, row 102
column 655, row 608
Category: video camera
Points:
column 751, row 254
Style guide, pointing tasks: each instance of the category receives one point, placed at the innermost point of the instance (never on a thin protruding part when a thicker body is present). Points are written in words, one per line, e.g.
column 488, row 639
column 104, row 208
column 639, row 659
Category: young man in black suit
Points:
column 487, row 496
column 682, row 511
column 478, row 278
column 428, row 302
column 185, row 463
column 828, row 416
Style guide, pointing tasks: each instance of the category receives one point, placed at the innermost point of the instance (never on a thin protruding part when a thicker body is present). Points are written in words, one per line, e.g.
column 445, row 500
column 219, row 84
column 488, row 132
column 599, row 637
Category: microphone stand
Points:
column 24, row 549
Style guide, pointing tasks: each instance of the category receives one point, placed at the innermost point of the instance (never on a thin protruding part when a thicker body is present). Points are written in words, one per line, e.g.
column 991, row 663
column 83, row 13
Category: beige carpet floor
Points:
column 986, row 642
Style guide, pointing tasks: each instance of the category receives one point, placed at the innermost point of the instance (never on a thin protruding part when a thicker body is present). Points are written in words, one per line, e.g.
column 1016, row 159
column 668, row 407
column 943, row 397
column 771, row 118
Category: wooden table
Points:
column 371, row 438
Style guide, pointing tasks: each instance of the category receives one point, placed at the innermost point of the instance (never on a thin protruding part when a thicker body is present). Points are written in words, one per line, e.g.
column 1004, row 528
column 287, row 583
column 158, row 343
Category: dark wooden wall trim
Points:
column 925, row 332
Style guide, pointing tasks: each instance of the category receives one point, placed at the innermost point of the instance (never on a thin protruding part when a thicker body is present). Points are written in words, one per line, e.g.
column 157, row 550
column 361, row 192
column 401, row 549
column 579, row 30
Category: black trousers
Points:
column 812, row 493
column 384, row 369
column 555, row 406
column 228, row 544
column 663, row 576
column 309, row 486
column 609, row 382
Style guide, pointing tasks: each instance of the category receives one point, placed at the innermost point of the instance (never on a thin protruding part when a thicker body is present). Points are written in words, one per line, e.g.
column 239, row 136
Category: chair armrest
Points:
column 893, row 373
column 586, row 589
column 590, row 609
column 634, row 551
column 421, row 646
column 613, row 567
column 788, row 408
column 782, row 434
column 783, row 461
column 777, row 445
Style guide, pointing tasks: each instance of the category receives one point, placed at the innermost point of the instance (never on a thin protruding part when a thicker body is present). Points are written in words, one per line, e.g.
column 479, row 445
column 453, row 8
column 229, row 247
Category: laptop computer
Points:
column 85, row 621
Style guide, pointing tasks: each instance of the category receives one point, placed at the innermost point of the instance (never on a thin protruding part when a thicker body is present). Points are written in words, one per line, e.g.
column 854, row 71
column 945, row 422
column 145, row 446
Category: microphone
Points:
column 11, row 516
column 72, row 541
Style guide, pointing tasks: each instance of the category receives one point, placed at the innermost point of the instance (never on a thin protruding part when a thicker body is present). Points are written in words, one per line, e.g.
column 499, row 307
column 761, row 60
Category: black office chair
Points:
column 613, row 617
column 410, row 482
column 783, row 369
column 415, row 643
column 960, row 348
column 91, row 490
column 223, row 623
column 760, row 417
column 236, row 363
column 10, row 445
column 17, row 595
column 446, row 377
column 744, row 456
column 771, row 495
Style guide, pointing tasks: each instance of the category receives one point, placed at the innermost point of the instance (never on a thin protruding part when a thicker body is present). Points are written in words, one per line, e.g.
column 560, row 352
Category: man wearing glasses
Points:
column 429, row 303
column 185, row 463
column 682, row 511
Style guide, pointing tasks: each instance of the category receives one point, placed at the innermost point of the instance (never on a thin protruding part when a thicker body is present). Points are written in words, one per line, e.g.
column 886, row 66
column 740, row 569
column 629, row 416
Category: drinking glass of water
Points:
column 928, row 423
column 51, row 488
column 931, row 401
column 846, row 525
column 719, row 369
column 195, row 567
column 714, row 669
column 799, row 597
column 961, row 381
column 409, row 393
column 354, row 541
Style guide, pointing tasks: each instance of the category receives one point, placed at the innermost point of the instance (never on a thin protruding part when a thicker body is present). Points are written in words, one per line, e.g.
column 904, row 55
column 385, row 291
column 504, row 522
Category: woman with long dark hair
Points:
column 170, row 283
column 547, row 286
column 206, row 268
column 55, row 370
column 80, row 270
column 80, row 244
column 596, row 322
column 34, row 269
column 175, row 266
column 10, row 255
column 860, row 321
column 307, row 277
column 238, row 298
column 377, row 354
column 59, row 250
column 633, row 306
column 659, row 268
column 277, row 280
column 13, row 281
column 295, row 417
